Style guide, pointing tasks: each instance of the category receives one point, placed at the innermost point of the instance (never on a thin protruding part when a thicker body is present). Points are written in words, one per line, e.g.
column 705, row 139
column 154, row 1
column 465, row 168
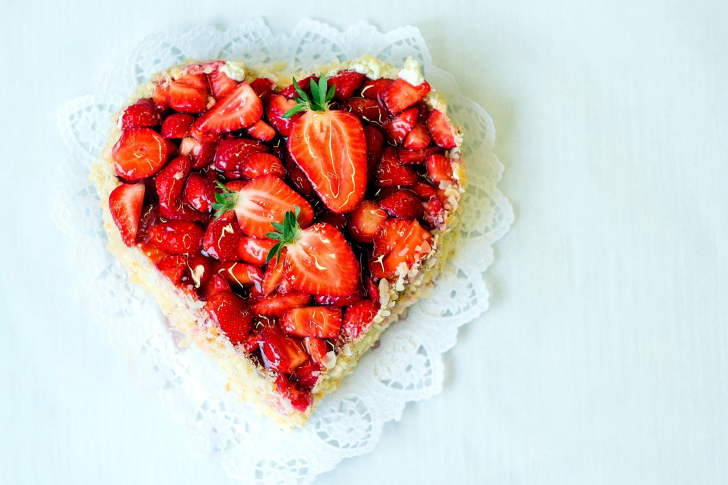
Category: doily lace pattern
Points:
column 406, row 366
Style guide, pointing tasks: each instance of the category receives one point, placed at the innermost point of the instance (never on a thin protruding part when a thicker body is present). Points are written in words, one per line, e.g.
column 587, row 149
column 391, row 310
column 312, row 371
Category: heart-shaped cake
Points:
column 283, row 220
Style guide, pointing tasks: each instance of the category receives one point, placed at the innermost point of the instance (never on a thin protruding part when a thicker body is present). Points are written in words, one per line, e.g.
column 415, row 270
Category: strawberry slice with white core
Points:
column 400, row 95
column 418, row 138
column 441, row 130
column 125, row 205
column 313, row 321
column 140, row 153
column 330, row 148
column 238, row 109
column 188, row 93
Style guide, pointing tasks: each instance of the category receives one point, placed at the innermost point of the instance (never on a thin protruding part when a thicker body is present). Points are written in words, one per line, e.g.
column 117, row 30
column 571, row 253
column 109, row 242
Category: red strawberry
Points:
column 142, row 114
column 313, row 321
column 263, row 201
column 403, row 204
column 340, row 301
column 399, row 127
column 318, row 349
column 140, row 153
column 173, row 268
column 201, row 270
column 274, row 274
column 346, row 83
column 203, row 136
column 188, row 93
column 372, row 289
column 259, row 164
column 239, row 109
column 337, row 220
column 161, row 92
column 255, row 251
column 305, row 84
column 280, row 353
column 176, row 125
column 400, row 95
column 424, row 191
column 152, row 252
column 391, row 173
column 231, row 153
column 438, row 168
column 330, row 148
column 434, row 213
column 180, row 212
column 125, row 205
column 240, row 274
column 298, row 179
column 222, row 237
column 411, row 157
column 418, row 138
column 262, row 87
column 236, row 185
column 277, row 305
column 216, row 284
column 200, row 153
column 260, row 130
column 365, row 221
column 375, row 143
column 221, row 84
column 308, row 374
column 300, row 400
column 277, row 106
column 231, row 315
column 199, row 191
column 178, row 237
column 150, row 216
column 358, row 318
column 366, row 109
column 373, row 88
column 399, row 242
column 441, row 129
column 170, row 182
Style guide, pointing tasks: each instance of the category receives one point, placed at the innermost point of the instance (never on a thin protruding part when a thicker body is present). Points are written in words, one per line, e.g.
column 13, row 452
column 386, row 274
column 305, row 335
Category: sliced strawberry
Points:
column 231, row 315
column 160, row 94
column 199, row 191
column 308, row 374
column 240, row 274
column 142, row 114
column 221, row 84
column 178, row 237
column 398, row 243
column 399, row 127
column 255, row 251
column 201, row 154
column 305, row 84
column 300, row 400
column 375, row 143
column 262, row 87
column 340, row 301
column 314, row 321
column 411, row 157
column 339, row 221
column 358, row 318
column 231, row 153
column 298, row 179
column 318, row 349
column 366, row 109
column 330, row 148
column 403, row 204
column 239, row 109
column 150, row 216
column 400, row 95
column 260, row 130
column 365, row 221
column 170, row 181
column 418, row 138
column 188, row 93
column 215, row 284
column 441, row 129
column 276, row 107
column 373, row 88
column 152, row 252
column 173, row 268
column 320, row 262
column 439, row 168
column 176, row 125
column 280, row 353
column 203, row 136
column 140, row 153
column 277, row 305
column 424, row 191
column 274, row 273
column 222, row 237
column 391, row 173
column 259, row 164
column 346, row 83
column 180, row 212
column 125, row 204
column 201, row 270
column 434, row 213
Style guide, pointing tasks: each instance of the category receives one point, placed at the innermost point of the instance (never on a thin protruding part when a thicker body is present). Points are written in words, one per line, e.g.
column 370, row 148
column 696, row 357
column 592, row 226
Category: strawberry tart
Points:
column 283, row 220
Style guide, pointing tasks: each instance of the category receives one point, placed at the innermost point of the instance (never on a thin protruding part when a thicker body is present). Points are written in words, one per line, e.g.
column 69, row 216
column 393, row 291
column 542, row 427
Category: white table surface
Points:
column 603, row 358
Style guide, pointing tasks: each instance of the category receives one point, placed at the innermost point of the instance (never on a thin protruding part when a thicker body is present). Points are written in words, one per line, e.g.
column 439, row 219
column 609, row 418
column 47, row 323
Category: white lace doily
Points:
column 407, row 366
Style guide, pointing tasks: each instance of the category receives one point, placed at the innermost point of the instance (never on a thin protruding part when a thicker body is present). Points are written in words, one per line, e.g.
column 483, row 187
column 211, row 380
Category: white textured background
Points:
column 604, row 356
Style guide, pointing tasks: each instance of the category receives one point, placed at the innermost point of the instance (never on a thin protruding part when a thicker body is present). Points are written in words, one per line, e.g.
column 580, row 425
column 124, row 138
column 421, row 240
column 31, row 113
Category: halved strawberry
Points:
column 340, row 301
column 262, row 87
column 418, row 138
column 261, row 202
column 240, row 274
column 346, row 83
column 177, row 237
column 152, row 252
column 366, row 109
column 372, row 88
column 170, row 181
column 313, row 321
column 365, row 221
column 390, row 172
column 300, row 400
column 399, row 242
column 141, row 114
column 424, row 191
column 305, row 84
column 215, row 284
column 125, row 205
column 339, row 221
column 176, row 125
column 403, row 204
column 411, row 157
column 372, row 289
column 231, row 153
column 280, row 353
column 173, row 268
column 201, row 153
column 260, row 130
column 441, row 129
column 298, row 179
column 199, row 191
column 308, row 374
column 259, row 164
column 221, row 84
column 239, row 109
column 358, row 318
column 277, row 305
column 188, row 93
column 160, row 94
column 231, row 315
column 150, row 216
column 222, row 237
column 181, row 212
column 439, row 168
column 274, row 273
column 434, row 213
column 399, row 127
column 276, row 106
column 255, row 251
column 400, row 95
column 140, row 153
column 375, row 143
column 318, row 349
column 201, row 270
